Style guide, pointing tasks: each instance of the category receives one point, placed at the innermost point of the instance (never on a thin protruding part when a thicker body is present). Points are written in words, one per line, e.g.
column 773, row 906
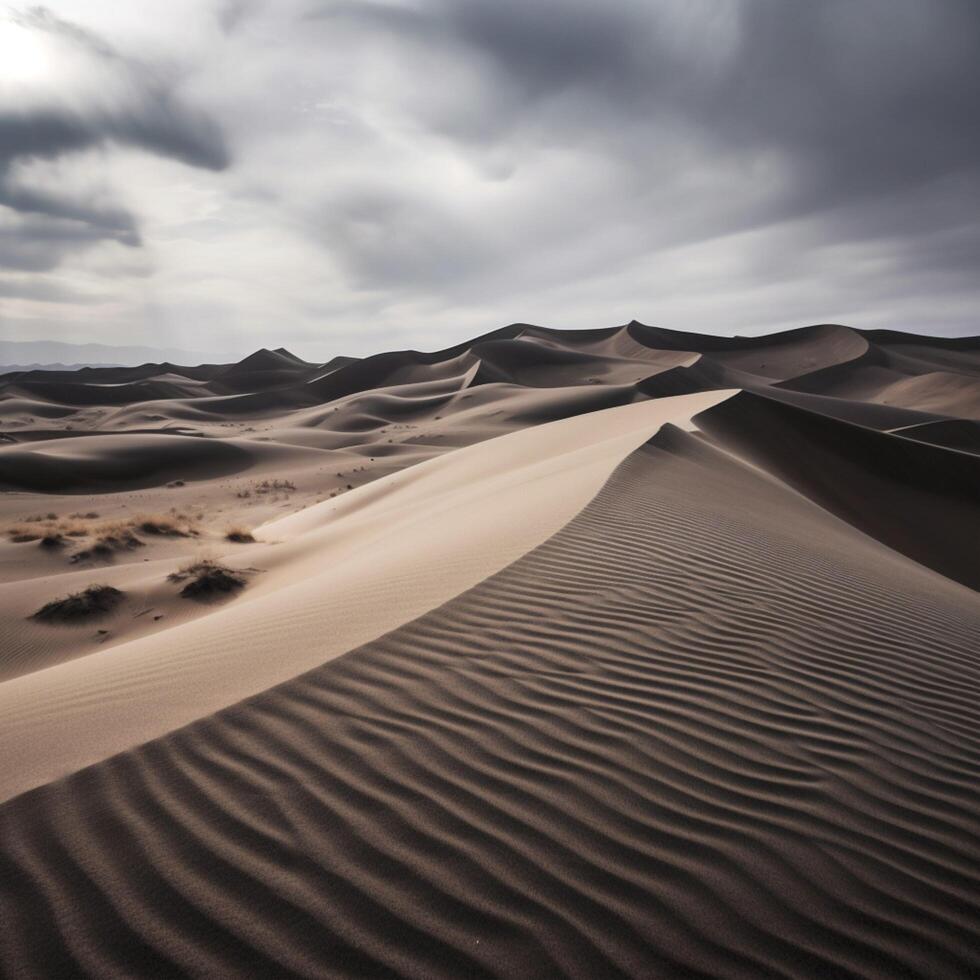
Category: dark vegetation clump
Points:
column 120, row 539
column 239, row 535
column 51, row 542
column 165, row 527
column 98, row 552
column 206, row 581
column 96, row 600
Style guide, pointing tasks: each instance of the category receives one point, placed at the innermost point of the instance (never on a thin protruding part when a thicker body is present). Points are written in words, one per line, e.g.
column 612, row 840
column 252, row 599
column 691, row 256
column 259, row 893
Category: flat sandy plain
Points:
column 605, row 653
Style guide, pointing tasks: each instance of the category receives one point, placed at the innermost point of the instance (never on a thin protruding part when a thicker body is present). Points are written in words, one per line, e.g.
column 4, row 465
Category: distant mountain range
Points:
column 59, row 355
column 10, row 368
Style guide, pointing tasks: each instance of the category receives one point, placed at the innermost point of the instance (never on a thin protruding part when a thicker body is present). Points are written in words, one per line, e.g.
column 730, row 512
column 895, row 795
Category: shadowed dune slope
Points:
column 920, row 499
column 77, row 393
column 263, row 369
column 869, row 414
column 705, row 730
column 963, row 434
column 100, row 463
column 925, row 376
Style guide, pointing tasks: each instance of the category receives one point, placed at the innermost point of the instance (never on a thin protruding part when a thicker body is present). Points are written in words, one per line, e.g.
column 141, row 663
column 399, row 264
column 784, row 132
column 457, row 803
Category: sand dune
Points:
column 916, row 498
column 953, row 433
column 620, row 652
column 104, row 462
column 345, row 572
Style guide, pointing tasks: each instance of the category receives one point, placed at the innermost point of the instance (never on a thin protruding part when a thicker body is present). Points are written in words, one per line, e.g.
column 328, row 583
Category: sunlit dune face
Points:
column 25, row 58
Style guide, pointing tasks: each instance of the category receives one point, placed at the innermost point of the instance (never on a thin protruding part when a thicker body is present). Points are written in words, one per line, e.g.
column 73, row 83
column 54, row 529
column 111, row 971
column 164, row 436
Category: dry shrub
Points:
column 171, row 525
column 41, row 527
column 274, row 486
column 108, row 536
column 207, row 580
column 115, row 538
column 20, row 535
column 96, row 600
column 239, row 535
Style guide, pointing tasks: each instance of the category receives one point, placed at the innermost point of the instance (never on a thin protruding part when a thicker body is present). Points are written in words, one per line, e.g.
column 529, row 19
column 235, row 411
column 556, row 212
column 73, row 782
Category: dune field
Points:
column 607, row 653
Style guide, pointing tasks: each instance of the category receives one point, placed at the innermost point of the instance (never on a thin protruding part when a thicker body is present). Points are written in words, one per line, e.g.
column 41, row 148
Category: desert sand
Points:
column 622, row 652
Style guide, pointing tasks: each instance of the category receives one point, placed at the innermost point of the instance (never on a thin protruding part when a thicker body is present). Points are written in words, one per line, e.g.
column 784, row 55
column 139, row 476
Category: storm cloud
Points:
column 138, row 109
column 356, row 175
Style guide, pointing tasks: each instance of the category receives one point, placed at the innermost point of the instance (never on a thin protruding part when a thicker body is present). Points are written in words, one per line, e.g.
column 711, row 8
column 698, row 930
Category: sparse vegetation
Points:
column 96, row 600
column 20, row 537
column 98, row 552
column 167, row 526
column 206, row 580
column 239, row 535
column 122, row 539
column 267, row 488
column 39, row 526
column 107, row 537
column 117, row 538
column 275, row 486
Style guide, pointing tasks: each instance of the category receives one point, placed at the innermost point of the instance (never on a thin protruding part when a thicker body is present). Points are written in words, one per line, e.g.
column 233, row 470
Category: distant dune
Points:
column 622, row 652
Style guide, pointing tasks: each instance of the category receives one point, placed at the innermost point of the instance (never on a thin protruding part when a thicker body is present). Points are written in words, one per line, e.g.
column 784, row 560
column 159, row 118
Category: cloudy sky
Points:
column 347, row 176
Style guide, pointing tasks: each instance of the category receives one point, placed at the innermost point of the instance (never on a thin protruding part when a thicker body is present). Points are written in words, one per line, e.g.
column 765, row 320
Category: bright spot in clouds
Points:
column 25, row 55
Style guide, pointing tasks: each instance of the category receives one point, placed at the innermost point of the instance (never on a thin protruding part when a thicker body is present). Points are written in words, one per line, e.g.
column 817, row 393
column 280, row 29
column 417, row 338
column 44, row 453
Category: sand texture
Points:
column 608, row 653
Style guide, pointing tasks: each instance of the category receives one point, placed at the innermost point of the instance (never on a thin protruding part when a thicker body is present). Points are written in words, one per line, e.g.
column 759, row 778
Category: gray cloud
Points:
column 862, row 97
column 148, row 114
column 854, row 113
column 38, row 243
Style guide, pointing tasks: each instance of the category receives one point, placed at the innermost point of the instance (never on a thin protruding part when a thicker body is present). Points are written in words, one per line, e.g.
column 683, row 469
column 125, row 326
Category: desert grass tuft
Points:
column 169, row 525
column 206, row 580
column 239, row 535
column 96, row 600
